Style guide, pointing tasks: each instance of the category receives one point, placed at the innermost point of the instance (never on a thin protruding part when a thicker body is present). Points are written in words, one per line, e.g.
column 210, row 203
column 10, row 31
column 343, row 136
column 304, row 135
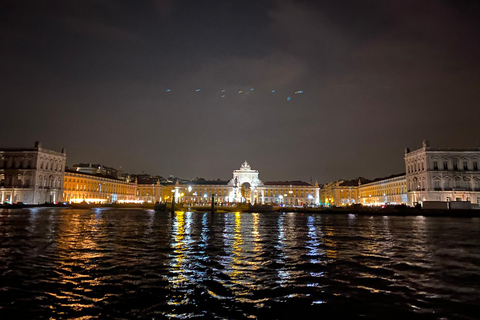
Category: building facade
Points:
column 31, row 175
column 339, row 193
column 100, row 169
column 441, row 174
column 386, row 191
column 83, row 187
column 149, row 190
column 244, row 187
column 289, row 193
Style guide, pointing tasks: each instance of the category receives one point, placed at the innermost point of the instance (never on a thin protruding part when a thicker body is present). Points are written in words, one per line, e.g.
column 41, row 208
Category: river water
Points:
column 137, row 264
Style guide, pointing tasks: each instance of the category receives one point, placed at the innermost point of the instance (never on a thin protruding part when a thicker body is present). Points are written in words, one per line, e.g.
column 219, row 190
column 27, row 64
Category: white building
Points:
column 440, row 174
column 244, row 184
column 31, row 175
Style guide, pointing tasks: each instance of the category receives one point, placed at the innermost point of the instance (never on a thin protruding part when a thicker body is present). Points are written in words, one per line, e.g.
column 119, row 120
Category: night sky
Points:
column 376, row 76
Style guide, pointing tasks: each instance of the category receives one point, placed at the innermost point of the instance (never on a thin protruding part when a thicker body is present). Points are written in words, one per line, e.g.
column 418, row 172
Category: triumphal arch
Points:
column 244, row 184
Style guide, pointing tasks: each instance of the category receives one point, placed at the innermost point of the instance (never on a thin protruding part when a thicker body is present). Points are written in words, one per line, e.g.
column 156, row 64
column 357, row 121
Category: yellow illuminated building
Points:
column 81, row 187
column 245, row 187
column 149, row 191
column 339, row 193
column 392, row 190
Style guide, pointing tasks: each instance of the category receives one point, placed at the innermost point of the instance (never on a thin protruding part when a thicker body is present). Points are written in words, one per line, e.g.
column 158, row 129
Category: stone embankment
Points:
column 246, row 208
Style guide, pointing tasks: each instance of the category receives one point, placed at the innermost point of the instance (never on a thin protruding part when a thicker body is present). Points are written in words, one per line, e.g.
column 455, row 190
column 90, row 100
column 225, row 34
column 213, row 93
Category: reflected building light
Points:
column 177, row 264
column 236, row 246
column 283, row 275
column 131, row 201
column 91, row 200
column 205, row 229
column 312, row 243
column 332, row 252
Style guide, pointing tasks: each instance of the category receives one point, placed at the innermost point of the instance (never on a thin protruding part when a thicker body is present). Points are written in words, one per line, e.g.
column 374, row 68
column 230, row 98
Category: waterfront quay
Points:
column 434, row 179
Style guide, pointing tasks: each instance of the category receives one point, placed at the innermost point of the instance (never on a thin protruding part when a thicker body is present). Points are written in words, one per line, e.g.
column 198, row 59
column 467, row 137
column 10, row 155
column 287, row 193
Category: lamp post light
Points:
column 189, row 194
column 173, row 200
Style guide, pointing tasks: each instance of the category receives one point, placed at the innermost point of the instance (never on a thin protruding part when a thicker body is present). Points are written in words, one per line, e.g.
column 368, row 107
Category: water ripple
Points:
column 135, row 264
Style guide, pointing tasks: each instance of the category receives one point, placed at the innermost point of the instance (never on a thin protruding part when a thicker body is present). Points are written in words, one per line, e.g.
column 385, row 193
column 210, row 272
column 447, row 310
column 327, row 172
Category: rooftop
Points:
column 287, row 183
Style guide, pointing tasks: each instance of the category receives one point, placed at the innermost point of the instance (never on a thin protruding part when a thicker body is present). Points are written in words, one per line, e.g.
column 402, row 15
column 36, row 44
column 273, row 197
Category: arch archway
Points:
column 246, row 191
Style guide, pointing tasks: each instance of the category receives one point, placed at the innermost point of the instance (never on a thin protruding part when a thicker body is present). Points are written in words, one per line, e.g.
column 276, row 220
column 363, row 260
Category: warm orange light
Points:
column 79, row 200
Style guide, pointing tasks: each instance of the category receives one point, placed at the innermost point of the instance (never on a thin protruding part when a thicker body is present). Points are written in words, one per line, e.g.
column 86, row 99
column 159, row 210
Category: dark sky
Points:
column 92, row 75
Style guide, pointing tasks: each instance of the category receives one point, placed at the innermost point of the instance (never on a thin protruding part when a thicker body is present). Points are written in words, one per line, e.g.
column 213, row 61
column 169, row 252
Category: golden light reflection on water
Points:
column 330, row 243
column 77, row 249
column 256, row 234
column 236, row 247
column 179, row 247
column 420, row 245
column 242, row 243
column 77, row 243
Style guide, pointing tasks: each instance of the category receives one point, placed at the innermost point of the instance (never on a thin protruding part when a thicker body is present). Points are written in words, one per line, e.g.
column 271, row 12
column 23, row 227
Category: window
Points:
column 455, row 164
column 465, row 165
column 458, row 183
column 437, row 184
column 445, row 165
column 446, row 184
column 475, row 165
column 435, row 165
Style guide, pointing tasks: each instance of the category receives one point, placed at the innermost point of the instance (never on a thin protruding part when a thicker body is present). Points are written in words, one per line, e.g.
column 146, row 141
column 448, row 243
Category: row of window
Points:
column 29, row 164
column 99, row 188
column 382, row 192
column 25, row 181
column 455, row 165
column 446, row 184
column 458, row 183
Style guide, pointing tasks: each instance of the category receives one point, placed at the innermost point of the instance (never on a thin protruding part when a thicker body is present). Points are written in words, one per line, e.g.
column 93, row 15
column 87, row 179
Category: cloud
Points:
column 395, row 38
column 100, row 30
column 164, row 7
column 273, row 70
column 308, row 33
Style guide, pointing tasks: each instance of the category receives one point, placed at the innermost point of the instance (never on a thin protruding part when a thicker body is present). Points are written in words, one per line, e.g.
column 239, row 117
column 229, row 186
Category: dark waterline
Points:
column 129, row 264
